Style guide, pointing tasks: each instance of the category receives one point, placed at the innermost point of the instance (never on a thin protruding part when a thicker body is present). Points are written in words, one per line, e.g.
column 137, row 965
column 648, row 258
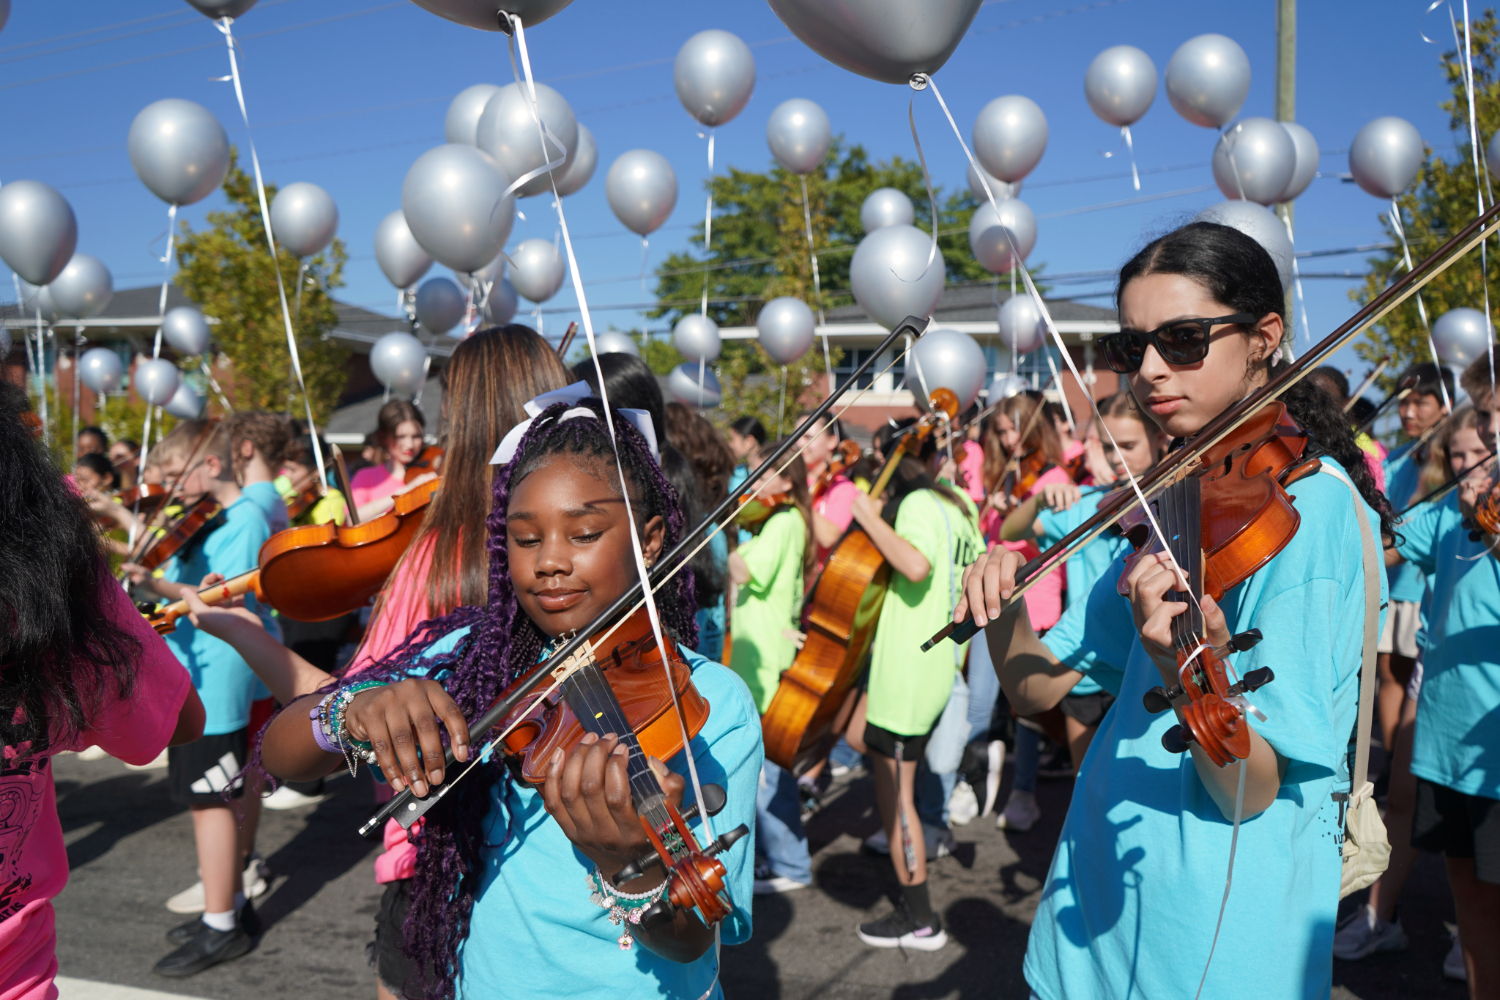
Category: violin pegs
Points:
column 726, row 840
column 1255, row 679
column 1159, row 699
column 1176, row 739
column 1245, row 640
column 642, row 864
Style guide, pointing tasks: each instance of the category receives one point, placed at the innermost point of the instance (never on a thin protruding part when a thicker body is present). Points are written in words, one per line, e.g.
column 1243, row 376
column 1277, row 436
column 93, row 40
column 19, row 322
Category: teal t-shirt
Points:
column 1133, row 893
column 1086, row 566
column 533, row 923
column 270, row 501
column 1401, row 478
column 223, row 679
column 1457, row 742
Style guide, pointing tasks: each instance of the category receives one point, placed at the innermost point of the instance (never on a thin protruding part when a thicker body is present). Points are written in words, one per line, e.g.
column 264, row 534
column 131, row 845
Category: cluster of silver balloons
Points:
column 1265, row 161
column 946, row 359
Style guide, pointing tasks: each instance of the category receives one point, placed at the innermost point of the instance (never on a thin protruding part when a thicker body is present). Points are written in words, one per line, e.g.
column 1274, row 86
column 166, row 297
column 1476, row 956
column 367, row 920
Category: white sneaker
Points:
column 93, row 753
column 996, row 754
column 286, row 797
column 191, row 900
column 776, row 885
column 1453, row 962
column 1021, row 813
column 963, row 805
column 1365, row 934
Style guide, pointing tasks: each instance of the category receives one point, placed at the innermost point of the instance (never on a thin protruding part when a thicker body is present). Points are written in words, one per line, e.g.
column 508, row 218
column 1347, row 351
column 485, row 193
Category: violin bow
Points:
column 1402, row 390
column 1369, row 381
column 407, row 808
column 567, row 340
column 1454, row 249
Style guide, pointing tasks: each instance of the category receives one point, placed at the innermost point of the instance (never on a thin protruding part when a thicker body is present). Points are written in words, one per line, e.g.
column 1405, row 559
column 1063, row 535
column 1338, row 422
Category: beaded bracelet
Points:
column 606, row 896
column 330, row 726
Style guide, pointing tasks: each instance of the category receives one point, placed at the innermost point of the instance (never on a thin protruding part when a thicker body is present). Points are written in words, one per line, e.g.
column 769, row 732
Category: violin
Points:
column 198, row 520
column 320, row 571
column 430, row 460
column 756, row 510
column 303, row 502
column 845, row 455
column 1020, row 479
column 143, row 499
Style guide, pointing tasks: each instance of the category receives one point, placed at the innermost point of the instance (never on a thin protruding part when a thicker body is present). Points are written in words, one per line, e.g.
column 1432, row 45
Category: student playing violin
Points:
column 1133, row 896
column 399, row 435
column 499, row 901
column 298, row 485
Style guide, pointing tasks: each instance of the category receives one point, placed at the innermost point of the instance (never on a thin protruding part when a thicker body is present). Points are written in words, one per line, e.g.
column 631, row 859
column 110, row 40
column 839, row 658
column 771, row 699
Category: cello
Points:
column 806, row 713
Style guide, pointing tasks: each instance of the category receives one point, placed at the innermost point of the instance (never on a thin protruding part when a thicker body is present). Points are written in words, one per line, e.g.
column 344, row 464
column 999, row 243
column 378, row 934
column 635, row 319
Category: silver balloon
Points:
column 580, row 166
column 185, row 403
column 304, row 218
column 1005, row 386
column 799, row 135
column 482, row 14
column 100, row 369
column 1386, row 156
column 396, row 359
column 616, row 342
column 785, row 328
column 886, row 40
column 1307, row 161
column 697, row 337
column 35, row 299
column 683, row 384
column 4, row 17
column 179, row 150
column 398, row 253
column 461, row 123
column 440, row 304
column 500, row 307
column 1261, row 225
column 714, row 74
column 642, row 190
column 186, row 330
column 156, row 381
column 38, row 232
column 508, row 132
column 1462, row 335
column 1010, row 136
column 221, row 8
column 1120, row 84
column 1208, row 80
column 1255, row 161
column 454, row 201
column 891, row 278
column 987, row 234
column 886, row 207
column 1492, row 154
column 537, row 270
column 83, row 288
column 1000, row 189
column 1021, row 326
column 946, row 359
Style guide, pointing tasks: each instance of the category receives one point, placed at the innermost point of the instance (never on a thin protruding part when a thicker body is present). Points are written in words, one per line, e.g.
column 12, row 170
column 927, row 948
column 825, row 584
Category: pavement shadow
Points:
column 122, row 805
column 324, row 849
column 748, row 970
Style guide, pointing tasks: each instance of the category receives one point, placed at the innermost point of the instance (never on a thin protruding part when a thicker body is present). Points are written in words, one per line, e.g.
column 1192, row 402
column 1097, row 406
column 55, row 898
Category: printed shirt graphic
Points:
column 33, row 859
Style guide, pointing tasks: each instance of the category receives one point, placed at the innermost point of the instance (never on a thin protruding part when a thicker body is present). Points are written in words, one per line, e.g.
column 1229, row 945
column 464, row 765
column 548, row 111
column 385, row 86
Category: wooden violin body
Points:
column 755, row 510
column 196, row 519
column 303, row 502
column 431, row 460
column 146, row 498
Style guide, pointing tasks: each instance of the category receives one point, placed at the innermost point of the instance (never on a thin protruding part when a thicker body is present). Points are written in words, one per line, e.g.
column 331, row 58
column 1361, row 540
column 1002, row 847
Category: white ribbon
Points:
column 223, row 24
column 1479, row 172
column 708, row 217
column 1421, row 306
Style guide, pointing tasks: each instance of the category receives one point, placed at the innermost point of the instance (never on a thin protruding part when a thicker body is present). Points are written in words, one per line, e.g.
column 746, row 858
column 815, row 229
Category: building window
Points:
column 856, row 356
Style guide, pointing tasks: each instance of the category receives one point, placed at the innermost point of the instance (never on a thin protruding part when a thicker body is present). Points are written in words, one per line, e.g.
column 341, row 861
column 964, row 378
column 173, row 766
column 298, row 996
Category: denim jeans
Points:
column 779, row 837
column 984, row 689
column 945, row 749
column 1028, row 759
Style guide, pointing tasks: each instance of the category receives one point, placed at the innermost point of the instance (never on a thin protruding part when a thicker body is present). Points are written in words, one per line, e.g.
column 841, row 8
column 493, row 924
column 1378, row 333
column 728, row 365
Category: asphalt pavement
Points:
column 129, row 849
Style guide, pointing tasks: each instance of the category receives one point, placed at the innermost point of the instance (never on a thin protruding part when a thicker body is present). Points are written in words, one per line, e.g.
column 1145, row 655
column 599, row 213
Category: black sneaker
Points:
column 898, row 930
column 188, row 929
column 204, row 950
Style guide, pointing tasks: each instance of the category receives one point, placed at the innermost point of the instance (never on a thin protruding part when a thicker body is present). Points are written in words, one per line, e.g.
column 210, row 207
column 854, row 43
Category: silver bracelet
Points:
column 605, row 896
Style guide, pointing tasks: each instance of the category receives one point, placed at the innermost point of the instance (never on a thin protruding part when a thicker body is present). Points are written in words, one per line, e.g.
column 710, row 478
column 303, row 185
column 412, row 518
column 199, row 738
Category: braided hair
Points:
column 503, row 645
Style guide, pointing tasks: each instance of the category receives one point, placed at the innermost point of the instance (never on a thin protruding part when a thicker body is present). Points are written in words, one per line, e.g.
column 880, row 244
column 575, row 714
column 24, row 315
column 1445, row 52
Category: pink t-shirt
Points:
column 374, row 482
column 33, row 859
column 1072, row 450
column 1044, row 602
column 972, row 466
column 837, row 505
column 404, row 608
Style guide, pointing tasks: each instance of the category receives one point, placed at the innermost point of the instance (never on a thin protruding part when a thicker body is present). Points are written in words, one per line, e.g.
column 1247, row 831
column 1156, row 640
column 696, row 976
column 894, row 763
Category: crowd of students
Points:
column 555, row 480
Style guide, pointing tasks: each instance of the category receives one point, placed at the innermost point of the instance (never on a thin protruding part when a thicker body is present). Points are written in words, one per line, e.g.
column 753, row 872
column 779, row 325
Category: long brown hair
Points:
column 796, row 471
column 1018, row 409
column 705, row 448
column 390, row 418
column 486, row 385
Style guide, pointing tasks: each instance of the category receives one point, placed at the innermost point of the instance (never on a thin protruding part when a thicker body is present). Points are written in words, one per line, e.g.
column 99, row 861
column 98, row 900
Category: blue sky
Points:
column 347, row 93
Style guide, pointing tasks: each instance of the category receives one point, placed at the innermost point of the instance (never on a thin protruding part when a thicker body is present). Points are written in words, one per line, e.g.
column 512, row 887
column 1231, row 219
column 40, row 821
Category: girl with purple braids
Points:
column 498, row 905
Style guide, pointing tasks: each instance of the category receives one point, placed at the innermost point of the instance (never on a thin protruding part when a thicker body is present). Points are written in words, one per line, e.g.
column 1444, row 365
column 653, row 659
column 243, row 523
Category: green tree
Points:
column 227, row 269
column 1442, row 203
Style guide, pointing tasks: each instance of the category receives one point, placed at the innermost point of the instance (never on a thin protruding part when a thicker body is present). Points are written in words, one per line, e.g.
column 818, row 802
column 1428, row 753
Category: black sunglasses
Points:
column 1182, row 342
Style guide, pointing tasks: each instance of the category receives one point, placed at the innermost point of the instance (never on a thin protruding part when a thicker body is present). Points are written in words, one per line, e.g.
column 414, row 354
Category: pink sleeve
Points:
column 1073, row 450
column 405, row 607
column 973, row 468
column 137, row 728
column 370, row 484
column 837, row 504
column 1056, row 474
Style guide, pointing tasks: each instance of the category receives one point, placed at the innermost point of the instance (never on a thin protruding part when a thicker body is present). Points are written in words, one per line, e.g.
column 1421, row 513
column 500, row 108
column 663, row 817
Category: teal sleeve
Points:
column 1417, row 538
column 1095, row 635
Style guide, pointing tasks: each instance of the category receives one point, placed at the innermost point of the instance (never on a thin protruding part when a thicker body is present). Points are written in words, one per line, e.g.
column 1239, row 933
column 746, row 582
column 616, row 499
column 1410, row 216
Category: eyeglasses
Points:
column 1183, row 342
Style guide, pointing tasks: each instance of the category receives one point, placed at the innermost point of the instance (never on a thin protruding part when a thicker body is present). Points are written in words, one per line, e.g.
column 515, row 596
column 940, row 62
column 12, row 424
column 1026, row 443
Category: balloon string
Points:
column 652, row 613
column 708, row 217
column 1062, row 347
column 209, row 375
column 161, row 305
column 1421, row 306
column 1067, row 410
column 1229, row 154
column 223, row 24
column 1484, row 264
column 1286, row 221
column 919, row 82
column 1135, row 175
column 812, row 253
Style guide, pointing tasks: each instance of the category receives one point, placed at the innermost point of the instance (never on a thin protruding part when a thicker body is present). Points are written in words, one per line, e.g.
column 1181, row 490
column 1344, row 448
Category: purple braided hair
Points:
column 503, row 644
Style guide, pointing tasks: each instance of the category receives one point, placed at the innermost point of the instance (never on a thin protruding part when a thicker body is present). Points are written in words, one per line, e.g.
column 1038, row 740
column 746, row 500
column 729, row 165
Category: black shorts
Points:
column 883, row 742
column 1458, row 826
column 1087, row 709
column 202, row 772
column 395, row 970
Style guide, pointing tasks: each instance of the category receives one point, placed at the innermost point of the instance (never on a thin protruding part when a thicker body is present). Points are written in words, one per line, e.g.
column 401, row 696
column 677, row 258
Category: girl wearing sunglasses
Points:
column 1135, row 888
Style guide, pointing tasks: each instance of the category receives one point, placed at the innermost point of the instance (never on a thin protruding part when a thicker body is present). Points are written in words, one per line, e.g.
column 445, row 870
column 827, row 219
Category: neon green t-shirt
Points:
column 767, row 606
column 909, row 688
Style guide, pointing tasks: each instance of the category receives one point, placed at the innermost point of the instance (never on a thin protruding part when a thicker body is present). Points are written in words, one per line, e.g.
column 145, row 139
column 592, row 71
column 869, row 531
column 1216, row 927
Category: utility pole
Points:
column 1286, row 111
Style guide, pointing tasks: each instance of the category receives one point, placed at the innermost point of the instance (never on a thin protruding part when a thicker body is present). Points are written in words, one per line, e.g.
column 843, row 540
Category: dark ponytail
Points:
column 1239, row 273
